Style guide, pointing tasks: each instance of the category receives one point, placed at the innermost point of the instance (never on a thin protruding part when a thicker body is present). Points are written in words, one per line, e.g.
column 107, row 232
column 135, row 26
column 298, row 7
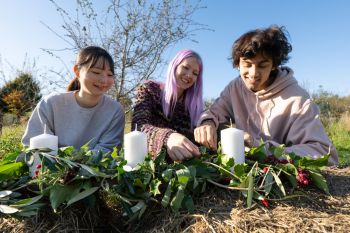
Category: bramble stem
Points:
column 226, row 187
column 217, row 166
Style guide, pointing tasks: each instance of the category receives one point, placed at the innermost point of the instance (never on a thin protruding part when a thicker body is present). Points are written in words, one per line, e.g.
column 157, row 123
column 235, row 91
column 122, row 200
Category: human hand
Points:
column 180, row 148
column 249, row 141
column 205, row 134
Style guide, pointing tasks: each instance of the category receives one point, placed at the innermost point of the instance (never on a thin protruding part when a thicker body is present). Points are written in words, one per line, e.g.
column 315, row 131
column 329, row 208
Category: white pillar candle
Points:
column 232, row 144
column 42, row 141
column 135, row 147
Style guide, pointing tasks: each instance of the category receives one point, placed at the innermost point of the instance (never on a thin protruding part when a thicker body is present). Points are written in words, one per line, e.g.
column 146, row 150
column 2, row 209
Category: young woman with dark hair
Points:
column 84, row 113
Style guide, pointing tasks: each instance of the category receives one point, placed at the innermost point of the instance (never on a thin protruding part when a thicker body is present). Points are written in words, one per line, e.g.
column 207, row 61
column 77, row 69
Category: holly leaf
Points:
column 154, row 187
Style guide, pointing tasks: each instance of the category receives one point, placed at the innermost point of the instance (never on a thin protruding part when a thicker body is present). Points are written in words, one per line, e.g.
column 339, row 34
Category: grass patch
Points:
column 10, row 140
column 339, row 133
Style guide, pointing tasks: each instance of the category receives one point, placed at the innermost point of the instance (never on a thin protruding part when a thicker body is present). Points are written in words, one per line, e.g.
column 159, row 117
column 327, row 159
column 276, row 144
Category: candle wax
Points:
column 135, row 147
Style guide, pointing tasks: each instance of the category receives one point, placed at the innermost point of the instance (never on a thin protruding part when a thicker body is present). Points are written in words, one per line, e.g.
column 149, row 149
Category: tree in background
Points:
column 135, row 32
column 19, row 95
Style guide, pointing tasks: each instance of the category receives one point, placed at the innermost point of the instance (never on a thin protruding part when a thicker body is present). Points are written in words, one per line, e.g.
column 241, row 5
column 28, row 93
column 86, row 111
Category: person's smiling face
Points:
column 186, row 74
column 255, row 72
column 96, row 80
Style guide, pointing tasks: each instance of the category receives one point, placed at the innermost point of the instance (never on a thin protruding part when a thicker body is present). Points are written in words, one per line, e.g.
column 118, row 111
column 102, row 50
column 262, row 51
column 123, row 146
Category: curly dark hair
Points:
column 271, row 42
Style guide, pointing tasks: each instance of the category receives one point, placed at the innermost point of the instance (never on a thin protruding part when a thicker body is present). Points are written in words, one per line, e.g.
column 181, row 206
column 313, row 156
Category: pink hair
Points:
column 193, row 95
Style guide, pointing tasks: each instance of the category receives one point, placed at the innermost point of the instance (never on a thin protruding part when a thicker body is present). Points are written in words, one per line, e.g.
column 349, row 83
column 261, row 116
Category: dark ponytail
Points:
column 74, row 85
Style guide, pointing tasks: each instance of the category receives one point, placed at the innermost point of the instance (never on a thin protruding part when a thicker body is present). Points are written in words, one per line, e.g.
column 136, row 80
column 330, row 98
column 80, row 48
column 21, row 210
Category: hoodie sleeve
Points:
column 221, row 110
column 307, row 136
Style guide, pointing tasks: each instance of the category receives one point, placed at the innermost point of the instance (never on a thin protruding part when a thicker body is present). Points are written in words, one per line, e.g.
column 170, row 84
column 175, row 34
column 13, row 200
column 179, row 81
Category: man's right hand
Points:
column 205, row 134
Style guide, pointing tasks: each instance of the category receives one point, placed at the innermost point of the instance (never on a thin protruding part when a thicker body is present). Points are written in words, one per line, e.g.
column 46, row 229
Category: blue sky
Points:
column 319, row 33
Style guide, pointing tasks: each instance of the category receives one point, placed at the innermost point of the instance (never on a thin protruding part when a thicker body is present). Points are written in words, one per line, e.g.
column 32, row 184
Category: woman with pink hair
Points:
column 168, row 112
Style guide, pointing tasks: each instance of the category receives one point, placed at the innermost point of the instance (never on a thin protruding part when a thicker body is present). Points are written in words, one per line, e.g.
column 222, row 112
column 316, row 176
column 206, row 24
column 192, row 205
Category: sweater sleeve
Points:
column 113, row 136
column 42, row 116
column 221, row 110
column 307, row 136
column 145, row 117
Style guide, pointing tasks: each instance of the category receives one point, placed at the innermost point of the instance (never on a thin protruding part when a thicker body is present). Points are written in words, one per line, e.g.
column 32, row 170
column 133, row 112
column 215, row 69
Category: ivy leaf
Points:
column 62, row 193
column 319, row 181
column 239, row 170
column 154, row 187
column 257, row 153
column 82, row 195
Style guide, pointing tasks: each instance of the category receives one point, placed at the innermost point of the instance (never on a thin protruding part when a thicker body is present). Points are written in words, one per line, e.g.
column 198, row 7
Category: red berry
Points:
column 38, row 166
column 265, row 169
column 265, row 202
column 303, row 177
column 36, row 173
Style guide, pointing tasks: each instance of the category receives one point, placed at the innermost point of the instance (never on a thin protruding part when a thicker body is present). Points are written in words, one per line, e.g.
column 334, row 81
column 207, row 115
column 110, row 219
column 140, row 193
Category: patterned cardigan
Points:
column 149, row 117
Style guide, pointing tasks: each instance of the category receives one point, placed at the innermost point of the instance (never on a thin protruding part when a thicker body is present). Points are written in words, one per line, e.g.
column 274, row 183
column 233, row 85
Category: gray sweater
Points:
column 102, row 125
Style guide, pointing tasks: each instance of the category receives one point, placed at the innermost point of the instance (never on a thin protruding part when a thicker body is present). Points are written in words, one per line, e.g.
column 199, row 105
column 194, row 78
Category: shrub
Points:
column 25, row 84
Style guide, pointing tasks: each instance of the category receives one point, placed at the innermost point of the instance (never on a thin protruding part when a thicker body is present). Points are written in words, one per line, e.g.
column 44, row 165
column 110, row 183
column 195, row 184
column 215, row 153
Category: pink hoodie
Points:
column 283, row 113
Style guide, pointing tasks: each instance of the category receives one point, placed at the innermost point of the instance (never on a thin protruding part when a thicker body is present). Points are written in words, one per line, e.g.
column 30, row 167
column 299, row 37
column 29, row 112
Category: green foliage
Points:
column 29, row 88
column 76, row 175
column 10, row 140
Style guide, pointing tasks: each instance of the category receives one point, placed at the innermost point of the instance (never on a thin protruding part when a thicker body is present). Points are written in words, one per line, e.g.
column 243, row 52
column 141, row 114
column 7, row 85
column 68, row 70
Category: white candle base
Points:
column 232, row 144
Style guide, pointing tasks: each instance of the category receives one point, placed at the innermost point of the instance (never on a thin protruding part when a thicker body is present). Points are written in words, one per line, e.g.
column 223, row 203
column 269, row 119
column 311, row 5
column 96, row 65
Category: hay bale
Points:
column 217, row 210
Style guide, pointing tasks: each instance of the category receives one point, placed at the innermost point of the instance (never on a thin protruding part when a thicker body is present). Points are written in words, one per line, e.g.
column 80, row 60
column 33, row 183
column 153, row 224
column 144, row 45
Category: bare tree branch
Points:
column 135, row 32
